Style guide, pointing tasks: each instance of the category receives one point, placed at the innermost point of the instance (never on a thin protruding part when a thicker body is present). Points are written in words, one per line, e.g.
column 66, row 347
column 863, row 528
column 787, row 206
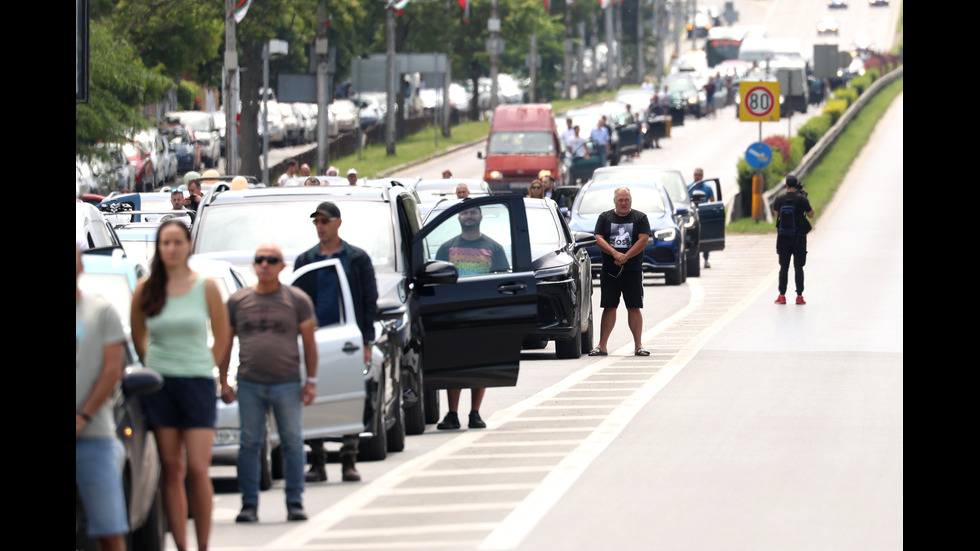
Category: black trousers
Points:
column 791, row 248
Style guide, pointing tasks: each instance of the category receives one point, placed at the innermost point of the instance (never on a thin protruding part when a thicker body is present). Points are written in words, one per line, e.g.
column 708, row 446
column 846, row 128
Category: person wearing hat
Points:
column 333, row 171
column 791, row 241
column 352, row 176
column 323, row 290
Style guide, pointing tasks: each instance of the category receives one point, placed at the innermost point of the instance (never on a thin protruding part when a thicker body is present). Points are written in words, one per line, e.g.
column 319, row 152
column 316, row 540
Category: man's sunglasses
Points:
column 272, row 260
column 617, row 274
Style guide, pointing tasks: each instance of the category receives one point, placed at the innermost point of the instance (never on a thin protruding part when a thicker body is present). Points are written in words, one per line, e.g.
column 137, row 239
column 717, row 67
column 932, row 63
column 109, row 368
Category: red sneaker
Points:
column 799, row 300
column 781, row 299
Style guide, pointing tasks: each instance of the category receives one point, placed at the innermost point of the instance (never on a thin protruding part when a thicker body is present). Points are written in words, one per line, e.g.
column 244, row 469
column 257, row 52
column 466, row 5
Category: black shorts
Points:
column 183, row 403
column 628, row 284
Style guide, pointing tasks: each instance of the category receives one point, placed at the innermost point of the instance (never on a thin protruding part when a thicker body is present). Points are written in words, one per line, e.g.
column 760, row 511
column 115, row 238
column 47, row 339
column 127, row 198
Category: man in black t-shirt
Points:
column 622, row 234
column 792, row 245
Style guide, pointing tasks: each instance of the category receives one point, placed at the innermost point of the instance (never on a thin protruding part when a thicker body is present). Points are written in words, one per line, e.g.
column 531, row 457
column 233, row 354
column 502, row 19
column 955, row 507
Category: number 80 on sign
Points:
column 758, row 101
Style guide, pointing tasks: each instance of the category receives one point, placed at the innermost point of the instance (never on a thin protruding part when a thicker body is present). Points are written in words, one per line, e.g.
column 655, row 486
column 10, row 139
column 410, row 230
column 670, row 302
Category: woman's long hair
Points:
column 155, row 291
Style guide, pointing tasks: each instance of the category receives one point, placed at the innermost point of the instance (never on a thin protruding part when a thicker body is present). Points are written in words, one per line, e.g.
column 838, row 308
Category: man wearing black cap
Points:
column 791, row 210
column 324, row 293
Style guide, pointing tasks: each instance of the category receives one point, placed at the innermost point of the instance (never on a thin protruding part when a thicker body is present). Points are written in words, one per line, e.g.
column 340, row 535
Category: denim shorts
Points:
column 98, row 476
column 183, row 403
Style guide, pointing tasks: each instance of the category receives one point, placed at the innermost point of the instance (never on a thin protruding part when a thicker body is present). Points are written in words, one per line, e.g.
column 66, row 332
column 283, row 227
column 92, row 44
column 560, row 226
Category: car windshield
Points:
column 521, row 143
column 646, row 199
column 198, row 121
column 245, row 226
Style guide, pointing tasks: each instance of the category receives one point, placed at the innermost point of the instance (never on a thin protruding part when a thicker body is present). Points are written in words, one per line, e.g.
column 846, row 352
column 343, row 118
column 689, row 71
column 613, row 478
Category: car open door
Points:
column 475, row 312
column 712, row 215
column 339, row 405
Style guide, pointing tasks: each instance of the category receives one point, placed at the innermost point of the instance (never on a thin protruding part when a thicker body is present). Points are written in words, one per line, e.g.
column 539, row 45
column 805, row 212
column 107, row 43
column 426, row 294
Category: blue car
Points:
column 665, row 252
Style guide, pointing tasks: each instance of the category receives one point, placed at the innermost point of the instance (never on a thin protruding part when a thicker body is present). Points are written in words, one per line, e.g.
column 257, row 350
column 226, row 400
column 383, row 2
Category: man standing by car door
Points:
column 268, row 317
column 472, row 253
column 364, row 290
column 709, row 195
column 99, row 455
column 622, row 234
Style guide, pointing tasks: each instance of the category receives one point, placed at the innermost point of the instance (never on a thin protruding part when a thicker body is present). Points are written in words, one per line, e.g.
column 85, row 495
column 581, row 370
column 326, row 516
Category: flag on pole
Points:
column 240, row 10
column 547, row 6
column 466, row 10
column 399, row 6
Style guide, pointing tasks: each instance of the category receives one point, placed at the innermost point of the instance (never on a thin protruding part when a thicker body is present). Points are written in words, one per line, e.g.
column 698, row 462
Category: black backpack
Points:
column 786, row 220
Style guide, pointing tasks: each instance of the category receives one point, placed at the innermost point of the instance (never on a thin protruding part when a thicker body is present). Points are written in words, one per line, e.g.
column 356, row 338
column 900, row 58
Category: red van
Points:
column 523, row 141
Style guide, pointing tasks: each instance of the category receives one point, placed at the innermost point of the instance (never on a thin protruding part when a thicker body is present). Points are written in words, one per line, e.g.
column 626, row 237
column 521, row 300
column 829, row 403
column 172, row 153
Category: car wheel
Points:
column 693, row 264
column 396, row 434
column 265, row 463
column 588, row 336
column 415, row 415
column 277, row 470
column 430, row 397
column 375, row 448
column 150, row 536
column 569, row 349
column 676, row 276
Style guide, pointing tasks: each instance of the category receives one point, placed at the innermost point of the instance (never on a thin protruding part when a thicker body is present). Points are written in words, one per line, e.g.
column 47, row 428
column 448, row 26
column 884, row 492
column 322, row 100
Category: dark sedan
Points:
column 183, row 142
column 563, row 270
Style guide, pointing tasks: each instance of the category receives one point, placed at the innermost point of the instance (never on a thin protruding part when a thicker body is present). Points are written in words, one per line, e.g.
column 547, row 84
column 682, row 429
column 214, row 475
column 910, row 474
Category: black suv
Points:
column 453, row 333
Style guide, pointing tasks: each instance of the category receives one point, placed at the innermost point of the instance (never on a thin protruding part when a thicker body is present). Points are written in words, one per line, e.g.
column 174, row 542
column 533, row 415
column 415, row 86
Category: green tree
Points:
column 119, row 86
column 180, row 38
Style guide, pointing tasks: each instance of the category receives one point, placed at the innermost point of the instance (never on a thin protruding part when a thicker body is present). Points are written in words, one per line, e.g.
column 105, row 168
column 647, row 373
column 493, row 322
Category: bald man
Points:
column 268, row 317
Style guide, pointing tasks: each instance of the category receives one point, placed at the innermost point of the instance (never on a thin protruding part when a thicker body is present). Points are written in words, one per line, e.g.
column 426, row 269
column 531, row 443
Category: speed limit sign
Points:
column 758, row 101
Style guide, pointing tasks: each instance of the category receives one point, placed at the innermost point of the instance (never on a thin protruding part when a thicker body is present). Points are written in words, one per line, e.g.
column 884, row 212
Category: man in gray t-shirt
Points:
column 99, row 354
column 268, row 318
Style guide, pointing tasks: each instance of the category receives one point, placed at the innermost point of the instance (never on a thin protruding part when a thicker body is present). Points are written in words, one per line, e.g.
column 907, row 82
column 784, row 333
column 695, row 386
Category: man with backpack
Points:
column 791, row 211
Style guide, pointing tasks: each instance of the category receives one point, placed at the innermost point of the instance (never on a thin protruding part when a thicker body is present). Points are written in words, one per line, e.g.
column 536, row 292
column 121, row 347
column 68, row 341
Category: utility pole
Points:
column 229, row 91
column 640, row 49
column 493, row 25
column 533, row 62
column 610, row 59
column 322, row 91
column 447, row 76
column 619, row 45
column 568, row 54
column 390, row 115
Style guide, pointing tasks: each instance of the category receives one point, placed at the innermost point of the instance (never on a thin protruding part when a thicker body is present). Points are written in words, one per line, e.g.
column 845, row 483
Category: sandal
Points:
column 641, row 352
column 597, row 352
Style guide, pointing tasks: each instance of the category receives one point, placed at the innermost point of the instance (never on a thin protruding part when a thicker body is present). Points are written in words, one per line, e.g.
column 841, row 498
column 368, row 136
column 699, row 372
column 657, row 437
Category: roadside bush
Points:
column 835, row 108
column 847, row 94
column 796, row 153
column 861, row 83
column 813, row 130
column 778, row 143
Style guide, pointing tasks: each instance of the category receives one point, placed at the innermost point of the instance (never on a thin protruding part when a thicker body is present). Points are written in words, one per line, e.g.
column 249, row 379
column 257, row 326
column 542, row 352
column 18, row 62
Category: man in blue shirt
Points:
column 323, row 291
column 709, row 195
column 600, row 138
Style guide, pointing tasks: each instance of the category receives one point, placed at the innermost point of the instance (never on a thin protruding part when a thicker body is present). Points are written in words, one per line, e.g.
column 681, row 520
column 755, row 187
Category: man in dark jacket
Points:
column 322, row 288
column 791, row 211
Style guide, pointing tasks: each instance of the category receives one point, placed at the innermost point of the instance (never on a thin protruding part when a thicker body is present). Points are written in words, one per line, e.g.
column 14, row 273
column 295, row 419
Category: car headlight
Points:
column 494, row 175
column 689, row 222
column 668, row 234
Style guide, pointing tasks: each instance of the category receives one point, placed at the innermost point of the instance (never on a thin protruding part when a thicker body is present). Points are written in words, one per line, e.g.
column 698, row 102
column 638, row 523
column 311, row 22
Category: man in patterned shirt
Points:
column 472, row 253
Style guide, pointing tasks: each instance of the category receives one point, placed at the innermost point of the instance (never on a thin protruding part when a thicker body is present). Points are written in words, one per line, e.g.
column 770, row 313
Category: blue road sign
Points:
column 758, row 155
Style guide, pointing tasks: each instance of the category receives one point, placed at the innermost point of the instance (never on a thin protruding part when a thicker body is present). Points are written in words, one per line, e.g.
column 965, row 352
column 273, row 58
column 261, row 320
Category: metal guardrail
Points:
column 817, row 151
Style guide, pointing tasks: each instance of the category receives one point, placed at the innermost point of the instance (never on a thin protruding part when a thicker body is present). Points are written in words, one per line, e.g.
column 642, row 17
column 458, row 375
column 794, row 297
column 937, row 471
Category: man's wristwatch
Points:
column 84, row 415
column 311, row 380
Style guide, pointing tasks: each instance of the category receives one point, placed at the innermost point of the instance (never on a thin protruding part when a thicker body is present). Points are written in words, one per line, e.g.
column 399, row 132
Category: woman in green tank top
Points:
column 170, row 314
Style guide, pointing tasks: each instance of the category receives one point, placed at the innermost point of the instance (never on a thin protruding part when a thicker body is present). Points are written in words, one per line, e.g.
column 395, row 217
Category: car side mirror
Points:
column 437, row 271
column 139, row 381
column 583, row 239
column 479, row 154
column 698, row 196
column 682, row 210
